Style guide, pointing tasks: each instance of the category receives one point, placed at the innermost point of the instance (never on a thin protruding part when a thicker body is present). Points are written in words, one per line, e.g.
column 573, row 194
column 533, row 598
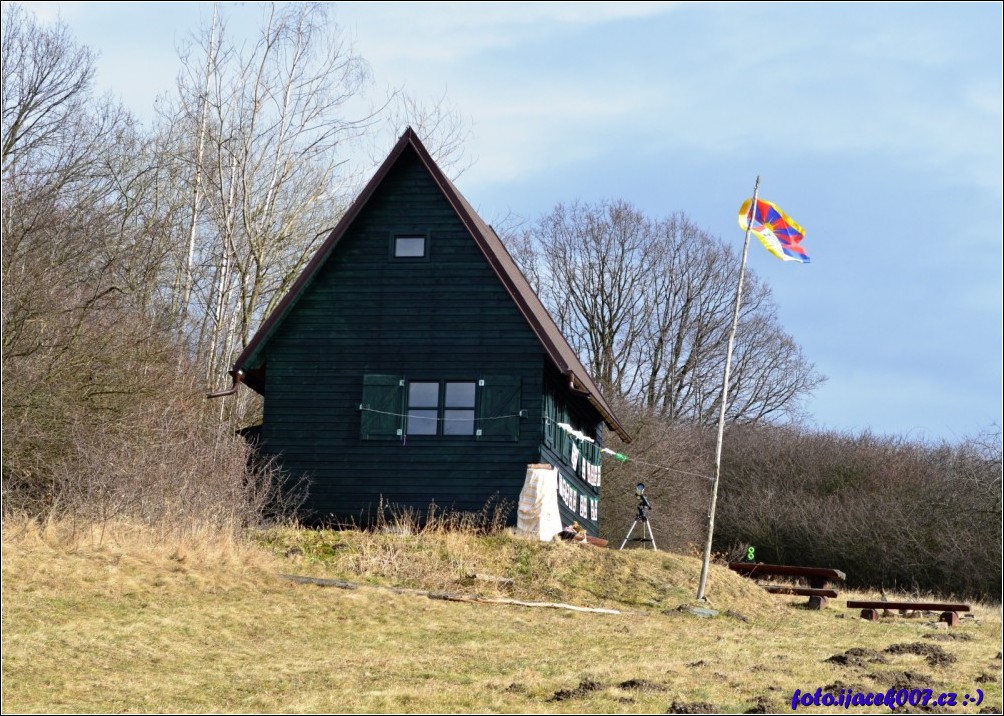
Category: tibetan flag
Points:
column 775, row 229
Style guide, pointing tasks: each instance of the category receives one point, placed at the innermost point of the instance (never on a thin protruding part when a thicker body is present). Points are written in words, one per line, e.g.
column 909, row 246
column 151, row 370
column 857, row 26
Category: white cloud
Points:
column 481, row 14
column 446, row 32
column 823, row 90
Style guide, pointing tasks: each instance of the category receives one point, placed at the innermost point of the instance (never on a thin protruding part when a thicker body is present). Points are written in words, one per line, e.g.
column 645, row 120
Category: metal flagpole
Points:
column 725, row 396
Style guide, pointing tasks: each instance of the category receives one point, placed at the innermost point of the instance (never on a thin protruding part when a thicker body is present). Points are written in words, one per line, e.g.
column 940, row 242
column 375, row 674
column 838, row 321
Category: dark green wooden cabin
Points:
column 411, row 363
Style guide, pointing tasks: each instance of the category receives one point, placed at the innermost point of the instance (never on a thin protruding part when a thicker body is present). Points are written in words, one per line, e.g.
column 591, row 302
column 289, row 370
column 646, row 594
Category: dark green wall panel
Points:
column 448, row 317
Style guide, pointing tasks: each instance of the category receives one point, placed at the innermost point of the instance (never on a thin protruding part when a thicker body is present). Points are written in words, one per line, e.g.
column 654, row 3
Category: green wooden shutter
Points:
column 382, row 407
column 500, row 396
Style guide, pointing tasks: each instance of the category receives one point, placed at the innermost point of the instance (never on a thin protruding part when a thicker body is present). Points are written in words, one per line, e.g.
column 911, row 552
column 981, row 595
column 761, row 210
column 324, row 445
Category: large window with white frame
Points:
column 441, row 407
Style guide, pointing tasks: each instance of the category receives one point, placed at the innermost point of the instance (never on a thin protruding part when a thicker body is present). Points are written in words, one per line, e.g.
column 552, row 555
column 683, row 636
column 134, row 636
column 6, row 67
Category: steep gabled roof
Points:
column 515, row 283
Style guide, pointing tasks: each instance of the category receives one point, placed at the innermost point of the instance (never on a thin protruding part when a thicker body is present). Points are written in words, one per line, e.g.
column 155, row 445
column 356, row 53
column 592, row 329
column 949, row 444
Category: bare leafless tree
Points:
column 79, row 259
column 73, row 240
column 46, row 77
column 443, row 128
column 597, row 262
column 256, row 139
column 647, row 305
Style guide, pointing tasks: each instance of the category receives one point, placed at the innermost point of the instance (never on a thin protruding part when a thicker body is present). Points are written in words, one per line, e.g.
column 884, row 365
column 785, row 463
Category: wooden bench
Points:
column 949, row 612
column 821, row 580
column 800, row 591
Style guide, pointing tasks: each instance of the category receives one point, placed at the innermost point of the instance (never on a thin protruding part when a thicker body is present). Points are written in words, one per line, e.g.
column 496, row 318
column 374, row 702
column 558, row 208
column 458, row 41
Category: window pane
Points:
column 458, row 422
column 460, row 395
column 423, row 395
column 409, row 246
column 422, row 422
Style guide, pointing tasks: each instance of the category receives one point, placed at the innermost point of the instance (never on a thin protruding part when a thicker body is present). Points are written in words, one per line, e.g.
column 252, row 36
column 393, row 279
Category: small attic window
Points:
column 410, row 246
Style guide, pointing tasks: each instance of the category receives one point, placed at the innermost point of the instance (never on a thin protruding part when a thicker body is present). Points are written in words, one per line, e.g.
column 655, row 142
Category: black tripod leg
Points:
column 633, row 525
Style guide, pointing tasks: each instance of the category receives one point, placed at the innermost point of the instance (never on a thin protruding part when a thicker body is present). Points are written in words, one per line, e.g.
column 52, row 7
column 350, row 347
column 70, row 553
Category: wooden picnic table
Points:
column 819, row 577
column 949, row 611
column 821, row 580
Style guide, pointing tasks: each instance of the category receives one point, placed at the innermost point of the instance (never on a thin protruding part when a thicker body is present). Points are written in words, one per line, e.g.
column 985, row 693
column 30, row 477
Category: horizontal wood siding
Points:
column 444, row 318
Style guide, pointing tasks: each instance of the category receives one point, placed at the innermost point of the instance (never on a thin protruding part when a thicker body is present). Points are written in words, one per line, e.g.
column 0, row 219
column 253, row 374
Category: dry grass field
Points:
column 125, row 620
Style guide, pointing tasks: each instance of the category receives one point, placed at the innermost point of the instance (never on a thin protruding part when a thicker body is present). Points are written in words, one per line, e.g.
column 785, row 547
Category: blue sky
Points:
column 876, row 126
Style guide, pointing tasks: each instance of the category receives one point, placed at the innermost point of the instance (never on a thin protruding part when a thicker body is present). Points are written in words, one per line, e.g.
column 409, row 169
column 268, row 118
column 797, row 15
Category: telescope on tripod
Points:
column 642, row 516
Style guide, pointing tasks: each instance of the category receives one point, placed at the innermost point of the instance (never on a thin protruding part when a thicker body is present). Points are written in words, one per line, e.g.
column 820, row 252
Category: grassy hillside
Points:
column 129, row 622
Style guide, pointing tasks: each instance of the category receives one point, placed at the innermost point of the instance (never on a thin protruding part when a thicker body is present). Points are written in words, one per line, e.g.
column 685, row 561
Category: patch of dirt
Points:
column 909, row 680
column 641, row 685
column 949, row 636
column 858, row 656
column 991, row 710
column 836, row 687
column 934, row 654
column 695, row 707
column 916, row 647
column 585, row 686
column 763, row 705
column 864, row 653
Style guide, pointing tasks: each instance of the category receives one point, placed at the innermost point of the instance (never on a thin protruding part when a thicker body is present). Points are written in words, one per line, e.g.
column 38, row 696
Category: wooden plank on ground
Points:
column 911, row 606
column 445, row 596
column 519, row 603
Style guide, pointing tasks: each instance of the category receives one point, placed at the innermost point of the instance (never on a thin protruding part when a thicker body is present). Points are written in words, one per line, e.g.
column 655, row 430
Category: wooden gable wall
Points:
column 366, row 313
